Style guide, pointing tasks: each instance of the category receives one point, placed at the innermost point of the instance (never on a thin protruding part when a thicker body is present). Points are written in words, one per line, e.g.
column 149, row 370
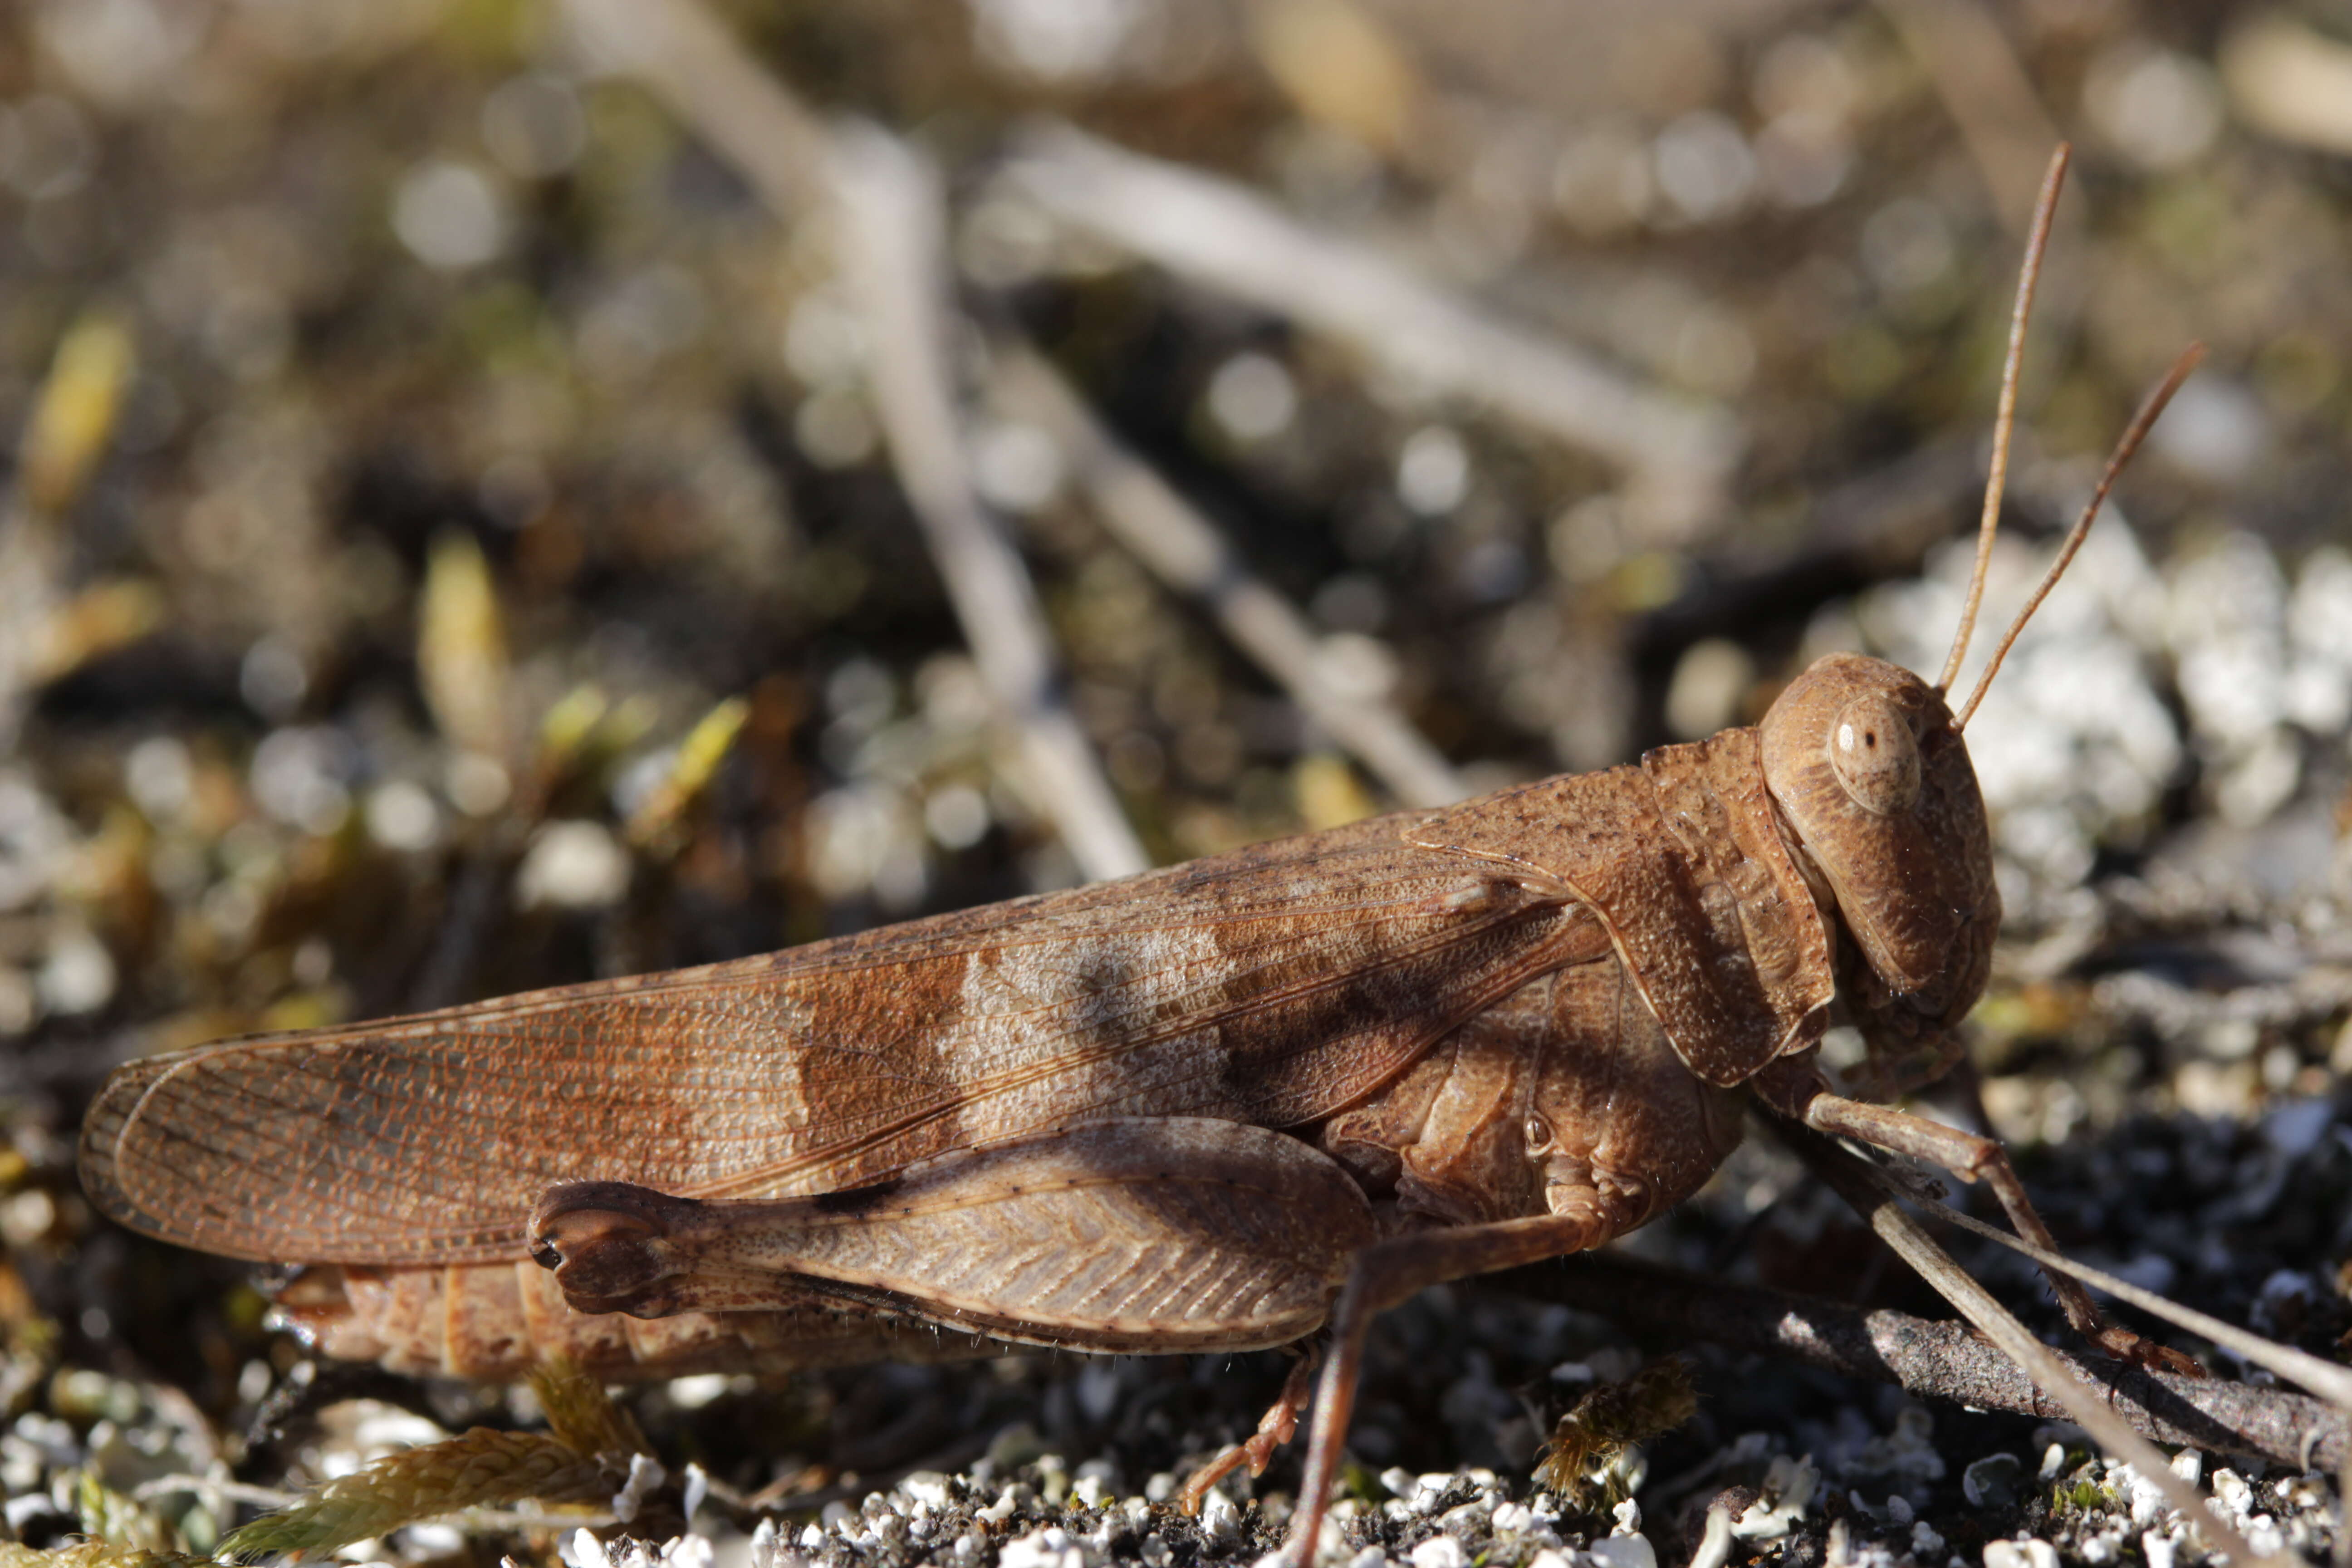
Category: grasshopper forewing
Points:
column 1226, row 1105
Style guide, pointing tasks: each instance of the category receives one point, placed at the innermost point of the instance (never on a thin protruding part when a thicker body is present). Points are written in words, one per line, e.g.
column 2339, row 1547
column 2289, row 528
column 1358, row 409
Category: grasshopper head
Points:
column 1873, row 780
column 1874, row 783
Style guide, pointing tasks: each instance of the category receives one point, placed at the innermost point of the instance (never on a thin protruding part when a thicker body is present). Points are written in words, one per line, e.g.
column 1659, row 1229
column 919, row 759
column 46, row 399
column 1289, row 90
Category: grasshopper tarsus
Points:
column 2144, row 1355
column 1275, row 1428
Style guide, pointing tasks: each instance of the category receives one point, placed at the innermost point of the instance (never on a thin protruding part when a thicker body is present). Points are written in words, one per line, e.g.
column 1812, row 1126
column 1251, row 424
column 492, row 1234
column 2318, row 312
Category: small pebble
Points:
column 1220, row 1521
column 1992, row 1482
column 1623, row 1552
column 1440, row 1551
column 645, row 1477
column 573, row 866
column 1469, row 1519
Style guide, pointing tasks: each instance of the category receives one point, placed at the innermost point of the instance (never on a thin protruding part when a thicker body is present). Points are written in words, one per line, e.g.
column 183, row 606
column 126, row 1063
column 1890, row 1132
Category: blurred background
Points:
column 501, row 493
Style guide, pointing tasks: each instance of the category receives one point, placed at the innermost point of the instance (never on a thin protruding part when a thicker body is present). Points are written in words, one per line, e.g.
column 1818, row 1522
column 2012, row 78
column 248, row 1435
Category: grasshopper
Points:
column 1230, row 1105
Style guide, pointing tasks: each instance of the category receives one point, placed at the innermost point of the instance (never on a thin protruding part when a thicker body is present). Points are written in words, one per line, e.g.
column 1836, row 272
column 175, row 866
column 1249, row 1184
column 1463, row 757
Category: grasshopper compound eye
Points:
column 1874, row 756
column 1862, row 760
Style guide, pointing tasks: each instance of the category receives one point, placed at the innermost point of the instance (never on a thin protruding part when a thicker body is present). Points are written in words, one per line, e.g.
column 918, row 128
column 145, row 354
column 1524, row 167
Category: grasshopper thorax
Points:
column 1878, row 796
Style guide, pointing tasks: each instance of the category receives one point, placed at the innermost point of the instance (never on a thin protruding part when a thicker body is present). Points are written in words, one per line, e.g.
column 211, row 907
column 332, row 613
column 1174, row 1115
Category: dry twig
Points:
column 894, row 253
column 1960, row 46
column 1678, row 453
column 1937, row 1360
column 888, row 210
column 1873, row 1194
column 1985, row 89
column 689, row 61
column 1185, row 551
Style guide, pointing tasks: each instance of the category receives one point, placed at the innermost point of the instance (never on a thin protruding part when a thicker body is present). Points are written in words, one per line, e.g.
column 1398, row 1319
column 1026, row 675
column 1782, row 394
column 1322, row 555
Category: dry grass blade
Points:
column 1873, row 1194
column 92, row 1554
column 2323, row 1378
column 474, row 1469
column 581, row 1415
column 79, row 405
column 687, row 57
column 461, row 647
column 73, row 420
column 697, row 763
column 581, row 1458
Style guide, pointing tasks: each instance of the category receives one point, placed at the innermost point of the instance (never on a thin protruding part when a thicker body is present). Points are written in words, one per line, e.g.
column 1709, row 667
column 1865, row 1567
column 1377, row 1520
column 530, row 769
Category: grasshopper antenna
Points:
column 2005, row 422
column 2133, row 436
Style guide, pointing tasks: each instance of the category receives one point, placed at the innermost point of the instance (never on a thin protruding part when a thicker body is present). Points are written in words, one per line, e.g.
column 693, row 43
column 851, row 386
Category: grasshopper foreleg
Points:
column 1971, row 1158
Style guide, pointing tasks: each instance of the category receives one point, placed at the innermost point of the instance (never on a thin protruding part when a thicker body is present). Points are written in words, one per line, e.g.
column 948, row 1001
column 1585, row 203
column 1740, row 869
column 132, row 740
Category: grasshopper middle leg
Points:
column 1275, row 1428
column 1385, row 1275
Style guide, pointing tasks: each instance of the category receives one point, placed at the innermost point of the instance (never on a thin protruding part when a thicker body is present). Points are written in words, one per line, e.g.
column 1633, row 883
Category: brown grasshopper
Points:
column 1222, row 1106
